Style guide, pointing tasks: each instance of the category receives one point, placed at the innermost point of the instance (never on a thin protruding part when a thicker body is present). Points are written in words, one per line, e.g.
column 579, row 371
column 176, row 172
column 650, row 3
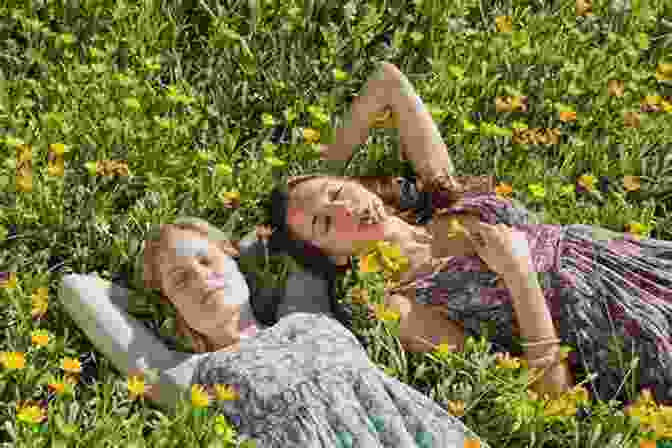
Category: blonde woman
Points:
column 529, row 286
column 302, row 380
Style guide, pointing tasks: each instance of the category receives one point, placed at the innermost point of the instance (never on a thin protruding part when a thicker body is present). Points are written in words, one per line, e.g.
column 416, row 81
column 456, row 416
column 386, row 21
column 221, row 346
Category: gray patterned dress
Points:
column 306, row 382
column 608, row 292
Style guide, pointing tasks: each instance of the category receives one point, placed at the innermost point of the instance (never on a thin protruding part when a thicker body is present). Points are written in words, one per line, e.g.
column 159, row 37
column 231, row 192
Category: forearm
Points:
column 536, row 324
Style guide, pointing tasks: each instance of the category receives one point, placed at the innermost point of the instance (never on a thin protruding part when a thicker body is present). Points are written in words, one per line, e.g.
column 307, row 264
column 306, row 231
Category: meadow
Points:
column 118, row 114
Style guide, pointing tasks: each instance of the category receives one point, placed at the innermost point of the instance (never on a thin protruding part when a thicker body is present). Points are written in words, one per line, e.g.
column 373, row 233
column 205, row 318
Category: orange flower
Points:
column 567, row 116
column 503, row 190
column 646, row 443
column 472, row 443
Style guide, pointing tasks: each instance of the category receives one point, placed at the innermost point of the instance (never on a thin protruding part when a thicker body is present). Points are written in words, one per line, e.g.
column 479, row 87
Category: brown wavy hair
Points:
column 152, row 252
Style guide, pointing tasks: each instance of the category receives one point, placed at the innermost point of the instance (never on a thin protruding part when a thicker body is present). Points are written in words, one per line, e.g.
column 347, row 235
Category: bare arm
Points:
column 536, row 324
column 420, row 137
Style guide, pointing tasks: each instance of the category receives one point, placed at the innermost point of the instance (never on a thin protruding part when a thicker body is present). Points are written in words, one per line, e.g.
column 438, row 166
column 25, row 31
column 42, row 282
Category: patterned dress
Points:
column 609, row 294
column 306, row 382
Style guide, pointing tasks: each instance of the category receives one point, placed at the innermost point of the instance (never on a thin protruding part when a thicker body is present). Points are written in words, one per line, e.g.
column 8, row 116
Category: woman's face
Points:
column 331, row 213
column 203, row 282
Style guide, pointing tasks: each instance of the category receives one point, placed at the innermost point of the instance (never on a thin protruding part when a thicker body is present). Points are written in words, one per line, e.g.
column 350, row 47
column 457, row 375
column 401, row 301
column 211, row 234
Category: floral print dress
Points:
column 306, row 382
column 609, row 294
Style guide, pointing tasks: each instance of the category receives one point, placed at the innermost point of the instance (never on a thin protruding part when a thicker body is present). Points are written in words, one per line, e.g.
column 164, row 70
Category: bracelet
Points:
column 541, row 342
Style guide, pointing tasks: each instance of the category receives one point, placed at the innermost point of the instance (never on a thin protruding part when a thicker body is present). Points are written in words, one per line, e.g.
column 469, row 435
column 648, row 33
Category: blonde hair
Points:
column 152, row 279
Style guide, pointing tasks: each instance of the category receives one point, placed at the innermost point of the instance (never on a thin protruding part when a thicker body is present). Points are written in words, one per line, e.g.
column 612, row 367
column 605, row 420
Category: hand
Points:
column 504, row 250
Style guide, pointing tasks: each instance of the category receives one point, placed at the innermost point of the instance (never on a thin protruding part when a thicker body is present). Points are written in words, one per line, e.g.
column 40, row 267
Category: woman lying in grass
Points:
column 606, row 294
column 304, row 381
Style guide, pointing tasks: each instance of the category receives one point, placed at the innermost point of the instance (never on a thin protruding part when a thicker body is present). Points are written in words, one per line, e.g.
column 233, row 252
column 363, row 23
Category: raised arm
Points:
column 421, row 141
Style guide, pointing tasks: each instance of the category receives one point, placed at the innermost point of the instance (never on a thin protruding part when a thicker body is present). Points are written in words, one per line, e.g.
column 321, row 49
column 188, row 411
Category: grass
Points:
column 201, row 102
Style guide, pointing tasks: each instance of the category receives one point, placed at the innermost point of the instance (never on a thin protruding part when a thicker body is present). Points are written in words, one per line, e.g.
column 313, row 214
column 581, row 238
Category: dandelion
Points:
column 59, row 386
column 230, row 199
column 631, row 183
column 511, row 104
column 637, row 229
column 199, row 396
column 385, row 314
column 503, row 190
column 567, row 116
column 136, row 387
column 587, row 181
column 8, row 280
column 456, row 407
column 311, row 135
column 13, row 360
column 504, row 24
column 664, row 72
column 40, row 302
column 40, row 338
column 225, row 392
column 506, row 361
column 30, row 412
column 616, row 88
column 359, row 295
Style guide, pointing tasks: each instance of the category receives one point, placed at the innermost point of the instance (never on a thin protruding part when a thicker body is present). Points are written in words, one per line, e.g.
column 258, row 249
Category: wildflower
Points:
column 8, row 280
column 506, row 361
column 456, row 407
column 455, row 228
column 56, row 165
column 664, row 72
column 40, row 338
column 503, row 190
column 631, row 183
column 567, row 116
column 385, row 314
column 647, row 443
column 584, row 8
column 383, row 256
column 504, row 24
column 71, row 365
column 615, row 87
column 30, row 412
column 24, row 169
column 59, row 386
column 199, row 397
column 631, row 120
column 230, row 199
column 12, row 360
column 511, row 103
column 537, row 190
column 587, row 181
column 444, row 348
column 651, row 103
column 311, row 135
column 224, row 392
column 136, row 387
column 40, row 302
column 472, row 443
column 636, row 229
column 369, row 263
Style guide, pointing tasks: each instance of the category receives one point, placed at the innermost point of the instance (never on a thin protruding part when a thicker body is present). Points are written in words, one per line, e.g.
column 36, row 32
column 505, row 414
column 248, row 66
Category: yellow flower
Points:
column 311, row 135
column 504, row 24
column 506, row 361
column 71, row 365
column 587, row 181
column 57, row 148
column 56, row 168
column 510, row 103
column 40, row 302
column 230, row 199
column 503, row 190
column 444, row 348
column 8, row 280
column 13, row 360
column 584, row 7
column 636, row 229
column 359, row 295
column 199, row 396
column 369, row 264
column 631, row 183
column 538, row 191
column 30, row 412
column 567, row 116
column 455, row 228
column 136, row 386
column 385, row 314
column 664, row 72
column 224, row 392
column 24, row 183
column 456, row 407
column 40, row 338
